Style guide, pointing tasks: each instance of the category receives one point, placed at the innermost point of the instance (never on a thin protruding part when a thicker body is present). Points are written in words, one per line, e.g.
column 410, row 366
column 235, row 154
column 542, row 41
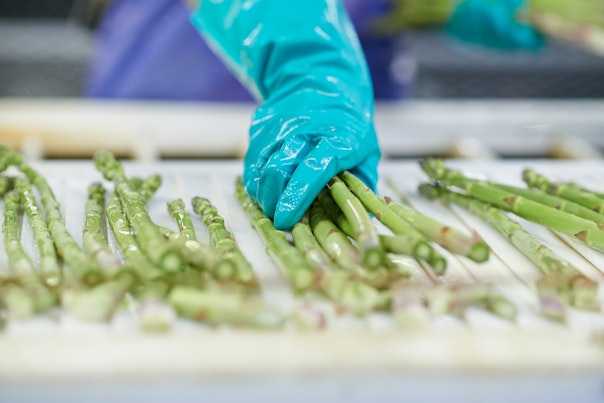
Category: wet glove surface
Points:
column 303, row 61
column 493, row 23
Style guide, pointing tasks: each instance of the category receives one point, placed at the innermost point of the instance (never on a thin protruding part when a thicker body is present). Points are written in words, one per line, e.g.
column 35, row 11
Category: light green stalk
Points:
column 572, row 286
column 446, row 236
column 49, row 261
column 300, row 275
column 93, row 237
column 576, row 227
column 223, row 242
column 181, row 216
column 568, row 192
column 217, row 307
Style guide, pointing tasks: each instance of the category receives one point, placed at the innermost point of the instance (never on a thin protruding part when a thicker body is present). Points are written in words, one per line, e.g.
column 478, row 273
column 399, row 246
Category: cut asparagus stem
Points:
column 365, row 233
column 223, row 242
column 93, row 236
column 150, row 237
column 446, row 236
column 334, row 242
column 18, row 303
column 155, row 314
column 216, row 307
column 100, row 302
column 581, row 294
column 49, row 261
column 569, row 192
column 579, row 228
column 181, row 216
column 300, row 275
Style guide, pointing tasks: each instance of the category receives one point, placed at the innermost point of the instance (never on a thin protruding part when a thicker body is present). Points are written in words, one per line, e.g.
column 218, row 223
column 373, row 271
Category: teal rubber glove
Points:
column 303, row 61
column 493, row 23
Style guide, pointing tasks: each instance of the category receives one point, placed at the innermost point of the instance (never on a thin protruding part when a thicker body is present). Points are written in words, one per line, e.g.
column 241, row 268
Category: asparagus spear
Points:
column 177, row 210
column 217, row 307
column 223, row 242
column 566, row 191
column 93, row 238
column 584, row 230
column 18, row 260
column 554, row 201
column 363, row 229
column 49, row 263
column 300, row 275
column 100, row 302
column 149, row 235
column 574, row 287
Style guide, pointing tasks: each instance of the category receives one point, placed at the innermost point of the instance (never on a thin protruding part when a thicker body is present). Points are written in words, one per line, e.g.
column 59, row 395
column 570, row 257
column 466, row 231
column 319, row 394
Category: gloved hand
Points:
column 493, row 23
column 303, row 61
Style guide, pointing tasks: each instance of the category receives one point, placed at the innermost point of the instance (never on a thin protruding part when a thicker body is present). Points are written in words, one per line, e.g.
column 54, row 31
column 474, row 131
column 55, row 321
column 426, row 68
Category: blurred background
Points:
column 452, row 98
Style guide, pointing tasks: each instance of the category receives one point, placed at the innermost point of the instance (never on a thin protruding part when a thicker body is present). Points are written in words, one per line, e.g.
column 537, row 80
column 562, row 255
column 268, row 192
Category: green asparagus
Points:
column 569, row 192
column 93, row 238
column 49, row 261
column 223, row 242
column 181, row 216
column 584, row 230
column 299, row 273
column 579, row 293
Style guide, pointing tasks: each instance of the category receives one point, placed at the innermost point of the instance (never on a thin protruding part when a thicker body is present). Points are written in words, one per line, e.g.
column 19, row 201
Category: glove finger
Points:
column 278, row 170
column 313, row 173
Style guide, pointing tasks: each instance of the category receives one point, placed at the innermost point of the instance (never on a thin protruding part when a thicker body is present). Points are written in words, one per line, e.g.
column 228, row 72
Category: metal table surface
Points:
column 477, row 358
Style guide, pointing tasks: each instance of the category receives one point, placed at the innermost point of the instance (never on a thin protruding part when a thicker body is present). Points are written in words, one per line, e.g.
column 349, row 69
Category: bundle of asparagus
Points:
column 561, row 284
column 165, row 273
column 338, row 251
column 579, row 22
